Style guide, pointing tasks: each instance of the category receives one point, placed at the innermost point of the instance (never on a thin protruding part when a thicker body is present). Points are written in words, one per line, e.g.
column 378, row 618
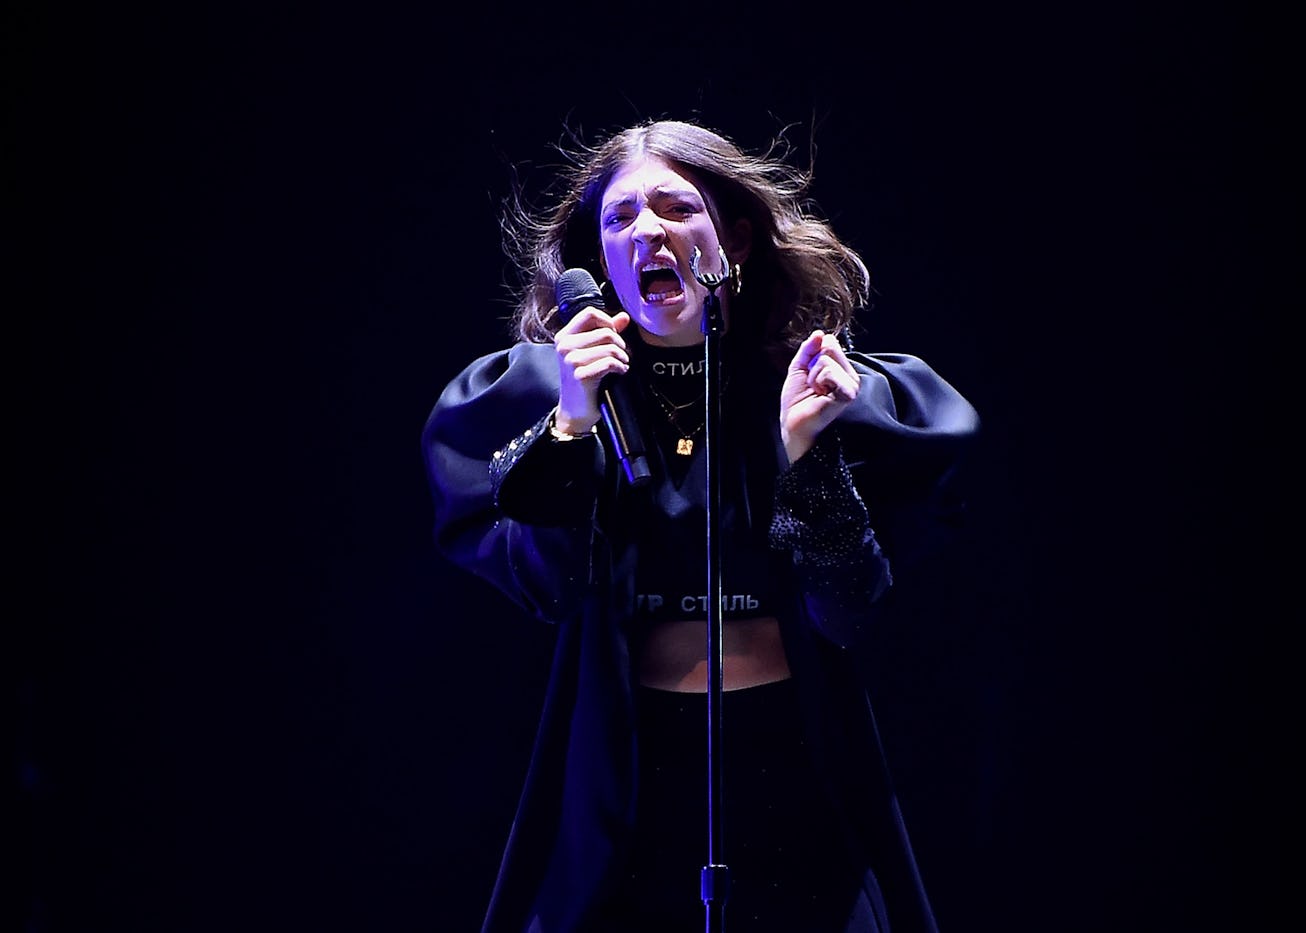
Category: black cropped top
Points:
column 671, row 579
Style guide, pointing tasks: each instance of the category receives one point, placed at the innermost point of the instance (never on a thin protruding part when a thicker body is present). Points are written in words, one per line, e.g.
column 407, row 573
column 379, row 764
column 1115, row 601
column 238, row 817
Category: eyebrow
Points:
column 659, row 192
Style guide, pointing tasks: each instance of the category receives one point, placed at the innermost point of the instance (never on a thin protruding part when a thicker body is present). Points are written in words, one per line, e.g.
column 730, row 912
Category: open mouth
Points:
column 660, row 284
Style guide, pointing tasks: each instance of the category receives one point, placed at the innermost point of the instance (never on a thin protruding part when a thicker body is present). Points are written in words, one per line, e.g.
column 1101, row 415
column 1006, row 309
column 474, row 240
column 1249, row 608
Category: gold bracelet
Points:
column 559, row 435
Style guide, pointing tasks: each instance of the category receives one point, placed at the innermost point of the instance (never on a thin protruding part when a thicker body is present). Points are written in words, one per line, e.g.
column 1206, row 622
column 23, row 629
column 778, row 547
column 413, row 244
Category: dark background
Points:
column 247, row 248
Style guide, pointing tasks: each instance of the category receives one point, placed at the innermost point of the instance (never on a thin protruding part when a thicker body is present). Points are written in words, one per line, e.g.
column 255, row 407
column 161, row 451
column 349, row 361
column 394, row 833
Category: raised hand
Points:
column 589, row 347
column 820, row 384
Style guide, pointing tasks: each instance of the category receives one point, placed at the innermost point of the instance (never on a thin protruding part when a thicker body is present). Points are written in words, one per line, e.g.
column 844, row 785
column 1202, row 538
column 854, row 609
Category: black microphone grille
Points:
column 577, row 289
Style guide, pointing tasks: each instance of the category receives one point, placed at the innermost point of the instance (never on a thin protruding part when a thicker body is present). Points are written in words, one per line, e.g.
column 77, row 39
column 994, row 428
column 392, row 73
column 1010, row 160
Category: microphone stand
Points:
column 714, row 880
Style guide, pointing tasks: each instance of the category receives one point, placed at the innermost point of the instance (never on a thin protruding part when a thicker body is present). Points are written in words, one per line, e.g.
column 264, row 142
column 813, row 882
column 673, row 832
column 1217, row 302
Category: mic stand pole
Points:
column 714, row 880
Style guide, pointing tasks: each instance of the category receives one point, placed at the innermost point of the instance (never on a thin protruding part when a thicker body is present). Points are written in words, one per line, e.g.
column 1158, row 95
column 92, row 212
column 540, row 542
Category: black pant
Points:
column 791, row 867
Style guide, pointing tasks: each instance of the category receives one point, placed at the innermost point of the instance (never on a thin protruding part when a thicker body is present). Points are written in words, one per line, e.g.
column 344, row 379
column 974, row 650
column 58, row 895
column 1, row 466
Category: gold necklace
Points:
column 685, row 443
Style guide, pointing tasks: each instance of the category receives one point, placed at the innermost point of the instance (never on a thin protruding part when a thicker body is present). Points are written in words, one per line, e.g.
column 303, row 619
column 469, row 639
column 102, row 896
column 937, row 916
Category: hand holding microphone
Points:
column 593, row 362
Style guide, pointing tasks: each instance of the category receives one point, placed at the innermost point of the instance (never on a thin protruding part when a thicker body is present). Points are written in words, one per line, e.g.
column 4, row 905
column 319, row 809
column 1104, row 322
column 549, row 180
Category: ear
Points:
column 739, row 241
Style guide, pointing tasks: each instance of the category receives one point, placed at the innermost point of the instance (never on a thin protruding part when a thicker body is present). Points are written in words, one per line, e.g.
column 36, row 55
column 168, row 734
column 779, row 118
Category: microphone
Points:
column 577, row 289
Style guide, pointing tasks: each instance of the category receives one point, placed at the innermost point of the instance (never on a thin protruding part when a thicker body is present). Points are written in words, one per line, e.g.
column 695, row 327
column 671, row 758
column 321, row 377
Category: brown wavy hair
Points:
column 799, row 275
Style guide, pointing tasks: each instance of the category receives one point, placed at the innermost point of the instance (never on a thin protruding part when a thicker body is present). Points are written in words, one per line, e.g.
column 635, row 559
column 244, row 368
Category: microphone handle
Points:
column 623, row 428
column 575, row 290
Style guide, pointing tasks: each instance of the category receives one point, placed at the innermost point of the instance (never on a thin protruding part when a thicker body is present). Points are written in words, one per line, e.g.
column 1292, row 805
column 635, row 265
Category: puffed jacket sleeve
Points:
column 511, row 504
column 876, row 492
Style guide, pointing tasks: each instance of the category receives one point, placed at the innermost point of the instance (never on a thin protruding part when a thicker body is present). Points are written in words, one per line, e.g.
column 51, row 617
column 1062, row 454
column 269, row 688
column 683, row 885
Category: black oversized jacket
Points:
column 548, row 523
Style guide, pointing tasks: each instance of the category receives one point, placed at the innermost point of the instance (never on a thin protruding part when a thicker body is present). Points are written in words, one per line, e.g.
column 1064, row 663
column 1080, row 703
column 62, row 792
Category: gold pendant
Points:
column 685, row 447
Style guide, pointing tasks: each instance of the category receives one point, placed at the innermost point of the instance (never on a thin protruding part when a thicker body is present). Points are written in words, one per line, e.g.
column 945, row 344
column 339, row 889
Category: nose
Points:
column 647, row 228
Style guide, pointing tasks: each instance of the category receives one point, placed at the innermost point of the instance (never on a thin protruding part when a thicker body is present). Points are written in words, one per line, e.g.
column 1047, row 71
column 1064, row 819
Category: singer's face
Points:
column 650, row 219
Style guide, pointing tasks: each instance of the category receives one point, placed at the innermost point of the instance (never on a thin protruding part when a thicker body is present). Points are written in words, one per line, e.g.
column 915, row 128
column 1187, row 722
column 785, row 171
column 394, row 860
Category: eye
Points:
column 617, row 218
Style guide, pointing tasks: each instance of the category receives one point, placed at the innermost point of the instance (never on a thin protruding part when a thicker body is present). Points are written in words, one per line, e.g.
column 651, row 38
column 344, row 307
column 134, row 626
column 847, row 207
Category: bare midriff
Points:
column 674, row 655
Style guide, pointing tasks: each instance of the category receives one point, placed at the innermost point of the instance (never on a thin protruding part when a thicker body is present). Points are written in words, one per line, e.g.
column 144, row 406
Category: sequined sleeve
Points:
column 821, row 521
column 540, row 480
column 512, row 505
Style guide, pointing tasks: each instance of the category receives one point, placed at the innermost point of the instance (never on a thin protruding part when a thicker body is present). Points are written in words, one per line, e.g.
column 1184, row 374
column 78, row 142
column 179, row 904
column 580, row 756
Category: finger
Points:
column 598, row 336
column 831, row 347
column 838, row 387
column 594, row 370
column 829, row 377
column 594, row 344
column 590, row 318
column 806, row 353
column 828, row 365
column 586, row 361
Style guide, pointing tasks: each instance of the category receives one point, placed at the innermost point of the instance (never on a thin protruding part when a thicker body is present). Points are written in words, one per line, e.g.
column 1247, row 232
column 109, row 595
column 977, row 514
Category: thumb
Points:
column 807, row 352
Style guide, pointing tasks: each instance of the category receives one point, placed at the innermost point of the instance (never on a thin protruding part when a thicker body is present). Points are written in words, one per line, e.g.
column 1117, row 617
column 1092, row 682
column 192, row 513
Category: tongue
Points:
column 661, row 281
